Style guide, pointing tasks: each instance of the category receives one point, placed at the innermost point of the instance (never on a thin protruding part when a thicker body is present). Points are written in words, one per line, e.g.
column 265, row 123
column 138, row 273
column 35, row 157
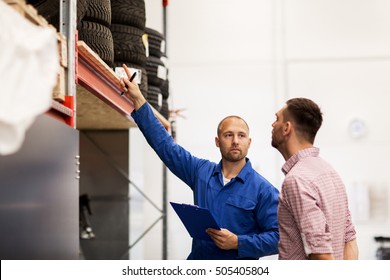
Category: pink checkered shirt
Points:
column 313, row 209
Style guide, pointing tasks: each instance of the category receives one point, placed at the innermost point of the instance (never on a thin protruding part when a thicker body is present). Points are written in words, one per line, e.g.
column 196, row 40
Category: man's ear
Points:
column 287, row 128
column 217, row 142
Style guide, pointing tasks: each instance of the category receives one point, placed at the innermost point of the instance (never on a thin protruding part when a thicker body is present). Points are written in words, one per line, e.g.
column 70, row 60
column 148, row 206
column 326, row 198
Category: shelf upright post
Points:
column 165, row 173
column 165, row 14
column 68, row 27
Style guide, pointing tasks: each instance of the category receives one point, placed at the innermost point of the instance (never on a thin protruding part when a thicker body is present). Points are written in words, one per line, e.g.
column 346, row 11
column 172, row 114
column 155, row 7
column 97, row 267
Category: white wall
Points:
column 247, row 58
column 338, row 53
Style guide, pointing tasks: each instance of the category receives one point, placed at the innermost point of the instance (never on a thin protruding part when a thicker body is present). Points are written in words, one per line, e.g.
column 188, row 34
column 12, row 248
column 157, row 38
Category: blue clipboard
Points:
column 196, row 219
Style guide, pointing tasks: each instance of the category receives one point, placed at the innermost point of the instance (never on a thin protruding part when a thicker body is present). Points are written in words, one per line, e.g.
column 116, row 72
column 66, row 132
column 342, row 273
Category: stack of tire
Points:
column 50, row 10
column 94, row 29
column 157, row 72
column 93, row 23
column 128, row 30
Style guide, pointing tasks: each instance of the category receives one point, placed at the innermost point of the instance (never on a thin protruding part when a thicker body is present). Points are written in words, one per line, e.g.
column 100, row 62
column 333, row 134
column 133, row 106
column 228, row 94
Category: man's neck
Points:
column 232, row 169
column 296, row 148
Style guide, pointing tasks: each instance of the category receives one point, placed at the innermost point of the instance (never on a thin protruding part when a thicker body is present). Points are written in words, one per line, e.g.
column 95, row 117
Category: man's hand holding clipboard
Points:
column 196, row 219
column 201, row 224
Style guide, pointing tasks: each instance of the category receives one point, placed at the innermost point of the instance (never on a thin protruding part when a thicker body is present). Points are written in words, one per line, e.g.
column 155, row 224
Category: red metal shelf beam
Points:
column 93, row 75
column 63, row 112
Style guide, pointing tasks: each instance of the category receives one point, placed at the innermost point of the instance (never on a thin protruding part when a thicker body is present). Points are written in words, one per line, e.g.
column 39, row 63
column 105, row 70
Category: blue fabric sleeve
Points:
column 179, row 161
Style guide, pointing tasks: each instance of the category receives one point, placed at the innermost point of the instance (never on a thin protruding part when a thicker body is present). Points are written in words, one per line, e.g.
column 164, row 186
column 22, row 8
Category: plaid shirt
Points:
column 313, row 209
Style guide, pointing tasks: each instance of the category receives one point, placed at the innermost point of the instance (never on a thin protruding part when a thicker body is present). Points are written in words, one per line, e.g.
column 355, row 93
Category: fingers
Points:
column 128, row 73
column 216, row 235
column 214, row 231
column 223, row 238
column 130, row 76
column 122, row 83
column 130, row 88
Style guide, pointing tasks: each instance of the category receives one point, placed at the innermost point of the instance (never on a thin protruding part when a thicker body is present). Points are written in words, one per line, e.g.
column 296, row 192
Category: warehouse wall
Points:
column 339, row 55
column 247, row 58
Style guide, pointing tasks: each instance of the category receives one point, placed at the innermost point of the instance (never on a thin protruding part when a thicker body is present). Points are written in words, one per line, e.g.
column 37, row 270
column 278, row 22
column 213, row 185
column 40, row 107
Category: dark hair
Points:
column 229, row 117
column 306, row 116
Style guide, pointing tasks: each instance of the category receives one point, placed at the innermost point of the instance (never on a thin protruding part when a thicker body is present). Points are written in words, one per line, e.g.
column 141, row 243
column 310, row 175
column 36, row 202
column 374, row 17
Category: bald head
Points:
column 222, row 122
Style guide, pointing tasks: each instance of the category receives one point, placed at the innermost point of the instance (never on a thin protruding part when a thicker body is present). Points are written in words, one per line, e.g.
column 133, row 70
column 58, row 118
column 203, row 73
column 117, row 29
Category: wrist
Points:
column 139, row 102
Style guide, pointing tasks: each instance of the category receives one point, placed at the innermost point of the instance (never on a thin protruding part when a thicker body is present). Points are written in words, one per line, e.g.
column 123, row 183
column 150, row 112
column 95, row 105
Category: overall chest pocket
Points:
column 240, row 213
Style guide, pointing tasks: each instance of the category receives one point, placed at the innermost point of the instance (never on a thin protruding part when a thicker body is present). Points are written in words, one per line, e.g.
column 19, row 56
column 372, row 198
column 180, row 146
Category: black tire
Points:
column 156, row 70
column 50, row 10
column 128, row 44
column 156, row 42
column 99, row 38
column 164, row 110
column 143, row 86
column 34, row 2
column 165, row 89
column 99, row 11
column 129, row 12
column 154, row 97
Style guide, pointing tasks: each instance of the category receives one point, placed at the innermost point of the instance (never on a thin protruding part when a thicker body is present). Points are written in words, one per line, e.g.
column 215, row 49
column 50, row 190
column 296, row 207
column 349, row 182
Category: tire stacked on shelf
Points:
column 93, row 23
column 128, row 30
column 165, row 95
column 94, row 29
column 50, row 10
column 157, row 72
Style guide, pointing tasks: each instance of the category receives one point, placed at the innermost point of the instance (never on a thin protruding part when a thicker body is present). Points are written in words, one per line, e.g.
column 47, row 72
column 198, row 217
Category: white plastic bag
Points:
column 28, row 72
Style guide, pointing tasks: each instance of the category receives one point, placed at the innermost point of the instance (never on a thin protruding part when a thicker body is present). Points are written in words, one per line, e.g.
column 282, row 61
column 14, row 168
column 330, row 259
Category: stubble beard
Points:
column 234, row 157
column 274, row 142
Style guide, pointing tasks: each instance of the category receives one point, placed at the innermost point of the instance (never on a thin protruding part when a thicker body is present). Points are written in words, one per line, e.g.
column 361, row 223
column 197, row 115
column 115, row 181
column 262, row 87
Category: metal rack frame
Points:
column 83, row 71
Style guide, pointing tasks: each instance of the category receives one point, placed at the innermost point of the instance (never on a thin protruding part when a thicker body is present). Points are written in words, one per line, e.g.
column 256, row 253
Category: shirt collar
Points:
column 308, row 152
column 245, row 171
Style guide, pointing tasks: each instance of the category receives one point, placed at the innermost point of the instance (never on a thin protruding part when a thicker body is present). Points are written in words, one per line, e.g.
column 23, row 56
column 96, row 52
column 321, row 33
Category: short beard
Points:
column 274, row 144
column 234, row 158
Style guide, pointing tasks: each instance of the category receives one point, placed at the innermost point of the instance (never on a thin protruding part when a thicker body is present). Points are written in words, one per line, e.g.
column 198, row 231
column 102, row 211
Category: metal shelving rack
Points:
column 165, row 169
column 86, row 71
column 88, row 77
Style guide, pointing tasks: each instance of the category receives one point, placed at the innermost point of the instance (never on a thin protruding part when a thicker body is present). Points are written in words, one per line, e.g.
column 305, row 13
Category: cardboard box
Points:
column 18, row 5
column 60, row 87
column 29, row 12
column 62, row 43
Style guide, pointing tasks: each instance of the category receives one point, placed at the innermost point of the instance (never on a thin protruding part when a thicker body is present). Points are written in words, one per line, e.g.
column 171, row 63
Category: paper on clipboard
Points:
column 196, row 219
